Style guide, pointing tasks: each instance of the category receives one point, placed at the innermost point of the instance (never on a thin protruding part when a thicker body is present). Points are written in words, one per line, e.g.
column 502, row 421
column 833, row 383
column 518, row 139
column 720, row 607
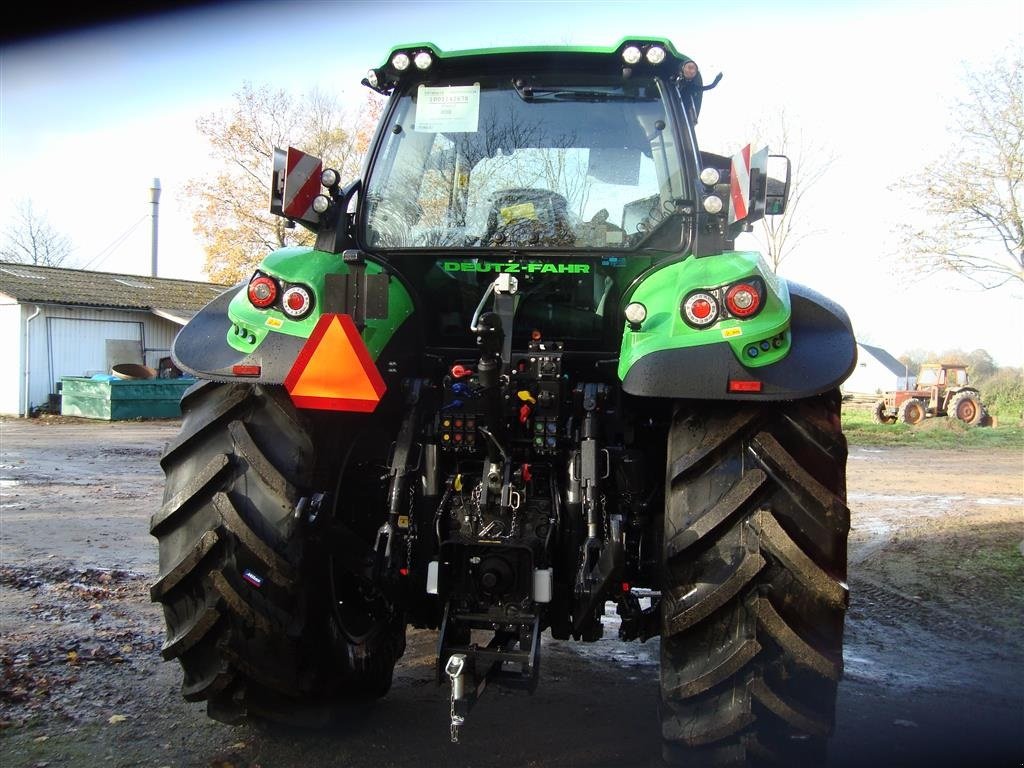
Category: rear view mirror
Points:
column 777, row 192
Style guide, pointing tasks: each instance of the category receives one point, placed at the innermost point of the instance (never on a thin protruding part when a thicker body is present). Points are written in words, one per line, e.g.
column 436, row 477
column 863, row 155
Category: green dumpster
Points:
column 112, row 399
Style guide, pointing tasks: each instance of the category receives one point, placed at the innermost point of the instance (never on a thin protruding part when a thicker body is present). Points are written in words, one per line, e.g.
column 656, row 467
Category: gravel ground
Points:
column 934, row 662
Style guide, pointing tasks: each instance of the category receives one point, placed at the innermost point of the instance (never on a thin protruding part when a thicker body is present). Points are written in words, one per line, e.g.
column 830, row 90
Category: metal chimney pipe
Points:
column 154, row 198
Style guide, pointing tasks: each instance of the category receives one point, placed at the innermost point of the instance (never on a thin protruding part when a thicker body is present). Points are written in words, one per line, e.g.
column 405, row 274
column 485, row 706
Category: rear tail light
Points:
column 297, row 302
column 700, row 309
column 262, row 291
column 743, row 300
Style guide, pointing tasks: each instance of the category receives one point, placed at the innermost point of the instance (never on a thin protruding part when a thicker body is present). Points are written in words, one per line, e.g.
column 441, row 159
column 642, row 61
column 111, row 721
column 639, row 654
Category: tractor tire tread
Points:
column 753, row 586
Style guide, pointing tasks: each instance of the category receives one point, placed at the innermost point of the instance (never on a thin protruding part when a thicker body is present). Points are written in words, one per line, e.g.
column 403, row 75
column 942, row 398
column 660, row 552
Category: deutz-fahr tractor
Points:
column 941, row 390
column 523, row 376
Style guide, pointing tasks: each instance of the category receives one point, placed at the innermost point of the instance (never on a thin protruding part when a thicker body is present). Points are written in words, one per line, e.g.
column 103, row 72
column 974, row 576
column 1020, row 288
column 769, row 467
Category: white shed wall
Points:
column 871, row 376
column 160, row 334
column 71, row 341
column 11, row 343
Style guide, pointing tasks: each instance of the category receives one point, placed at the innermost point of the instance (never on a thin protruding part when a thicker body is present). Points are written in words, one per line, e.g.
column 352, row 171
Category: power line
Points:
column 109, row 250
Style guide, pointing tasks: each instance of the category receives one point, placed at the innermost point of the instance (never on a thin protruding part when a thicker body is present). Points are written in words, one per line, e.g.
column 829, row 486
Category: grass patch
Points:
column 939, row 432
column 1006, row 560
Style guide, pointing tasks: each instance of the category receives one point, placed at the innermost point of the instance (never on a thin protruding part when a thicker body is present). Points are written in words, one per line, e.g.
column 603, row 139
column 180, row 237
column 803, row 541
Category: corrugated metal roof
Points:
column 53, row 285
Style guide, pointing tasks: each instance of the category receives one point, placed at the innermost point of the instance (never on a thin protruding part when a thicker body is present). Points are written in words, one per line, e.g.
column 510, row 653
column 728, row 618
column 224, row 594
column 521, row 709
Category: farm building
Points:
column 70, row 322
column 877, row 371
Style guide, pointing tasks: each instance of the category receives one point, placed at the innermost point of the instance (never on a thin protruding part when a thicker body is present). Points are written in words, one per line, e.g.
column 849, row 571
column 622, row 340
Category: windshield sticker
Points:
column 450, row 109
column 529, row 267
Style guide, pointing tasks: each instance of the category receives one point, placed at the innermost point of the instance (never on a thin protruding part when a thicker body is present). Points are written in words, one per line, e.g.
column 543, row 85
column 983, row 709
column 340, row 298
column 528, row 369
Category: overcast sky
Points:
column 89, row 118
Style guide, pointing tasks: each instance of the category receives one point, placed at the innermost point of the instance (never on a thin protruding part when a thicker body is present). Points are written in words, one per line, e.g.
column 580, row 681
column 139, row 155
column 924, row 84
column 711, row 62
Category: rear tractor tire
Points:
column 753, row 586
column 967, row 407
column 243, row 583
column 911, row 412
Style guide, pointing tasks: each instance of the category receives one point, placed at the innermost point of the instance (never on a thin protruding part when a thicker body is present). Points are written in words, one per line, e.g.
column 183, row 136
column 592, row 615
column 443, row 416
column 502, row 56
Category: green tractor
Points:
column 523, row 373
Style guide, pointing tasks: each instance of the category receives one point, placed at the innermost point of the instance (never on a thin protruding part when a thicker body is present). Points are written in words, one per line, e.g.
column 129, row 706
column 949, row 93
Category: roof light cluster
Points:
column 294, row 299
column 385, row 77
column 633, row 54
column 402, row 60
column 639, row 52
column 741, row 300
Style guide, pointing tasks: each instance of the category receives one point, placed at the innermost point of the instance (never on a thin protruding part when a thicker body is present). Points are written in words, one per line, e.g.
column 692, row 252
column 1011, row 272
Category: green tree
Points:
column 973, row 195
column 231, row 206
column 981, row 365
column 1003, row 395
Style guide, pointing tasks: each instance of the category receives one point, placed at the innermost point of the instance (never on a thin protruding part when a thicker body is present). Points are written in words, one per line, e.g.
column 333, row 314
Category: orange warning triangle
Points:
column 334, row 370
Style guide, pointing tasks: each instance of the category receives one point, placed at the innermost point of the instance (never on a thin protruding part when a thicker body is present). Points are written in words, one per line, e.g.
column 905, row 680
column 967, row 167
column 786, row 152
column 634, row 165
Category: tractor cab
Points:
column 571, row 171
column 942, row 375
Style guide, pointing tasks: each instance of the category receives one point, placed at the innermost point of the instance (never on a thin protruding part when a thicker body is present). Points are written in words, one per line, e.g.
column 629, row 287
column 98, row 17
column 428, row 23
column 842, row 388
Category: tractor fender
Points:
column 231, row 340
column 201, row 347
column 823, row 354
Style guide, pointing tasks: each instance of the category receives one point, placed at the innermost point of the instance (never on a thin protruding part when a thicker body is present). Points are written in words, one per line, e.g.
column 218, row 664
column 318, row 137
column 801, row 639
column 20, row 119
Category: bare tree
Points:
column 231, row 207
column 974, row 195
column 31, row 239
column 781, row 235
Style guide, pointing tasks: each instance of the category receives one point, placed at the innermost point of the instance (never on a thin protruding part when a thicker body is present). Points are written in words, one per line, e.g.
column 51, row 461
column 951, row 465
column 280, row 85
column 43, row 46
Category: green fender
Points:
column 230, row 332
column 798, row 343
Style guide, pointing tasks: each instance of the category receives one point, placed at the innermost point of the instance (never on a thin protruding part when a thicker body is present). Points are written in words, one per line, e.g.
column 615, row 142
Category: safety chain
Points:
column 603, row 501
column 410, row 535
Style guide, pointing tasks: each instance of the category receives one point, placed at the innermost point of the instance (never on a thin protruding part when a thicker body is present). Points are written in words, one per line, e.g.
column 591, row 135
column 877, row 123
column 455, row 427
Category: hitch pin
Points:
column 455, row 667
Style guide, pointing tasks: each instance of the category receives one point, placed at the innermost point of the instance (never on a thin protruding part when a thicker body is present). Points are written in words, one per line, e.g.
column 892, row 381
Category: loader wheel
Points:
column 967, row 407
column 911, row 412
column 879, row 416
column 753, row 582
column 243, row 584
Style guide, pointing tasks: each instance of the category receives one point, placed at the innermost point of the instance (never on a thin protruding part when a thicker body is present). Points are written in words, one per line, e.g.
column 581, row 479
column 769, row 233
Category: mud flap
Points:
column 201, row 347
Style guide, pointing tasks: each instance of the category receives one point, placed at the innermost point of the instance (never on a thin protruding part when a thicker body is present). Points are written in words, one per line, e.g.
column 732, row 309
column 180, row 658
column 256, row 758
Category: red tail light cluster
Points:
column 706, row 306
column 743, row 300
column 262, row 292
column 701, row 309
column 296, row 301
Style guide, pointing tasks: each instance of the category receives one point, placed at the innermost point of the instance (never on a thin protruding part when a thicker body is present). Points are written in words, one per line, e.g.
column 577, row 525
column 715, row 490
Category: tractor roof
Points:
column 425, row 62
column 549, row 51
